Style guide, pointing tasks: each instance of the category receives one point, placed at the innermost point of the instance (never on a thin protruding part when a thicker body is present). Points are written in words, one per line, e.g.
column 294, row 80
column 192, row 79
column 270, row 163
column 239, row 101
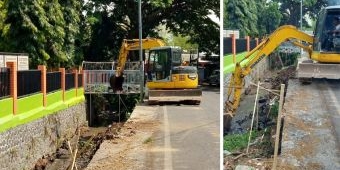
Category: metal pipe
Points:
column 141, row 50
column 301, row 24
column 301, row 15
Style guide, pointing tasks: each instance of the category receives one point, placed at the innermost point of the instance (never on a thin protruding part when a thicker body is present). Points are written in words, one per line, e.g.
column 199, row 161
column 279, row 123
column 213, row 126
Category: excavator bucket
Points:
column 116, row 83
column 318, row 70
column 178, row 95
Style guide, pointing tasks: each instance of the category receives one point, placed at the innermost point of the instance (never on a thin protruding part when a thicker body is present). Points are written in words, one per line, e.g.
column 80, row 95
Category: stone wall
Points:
column 22, row 146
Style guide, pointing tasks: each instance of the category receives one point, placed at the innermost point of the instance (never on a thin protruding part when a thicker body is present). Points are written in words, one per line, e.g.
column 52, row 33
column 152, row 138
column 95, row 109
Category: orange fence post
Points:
column 42, row 68
column 248, row 43
column 233, row 44
column 13, row 84
column 62, row 70
column 75, row 72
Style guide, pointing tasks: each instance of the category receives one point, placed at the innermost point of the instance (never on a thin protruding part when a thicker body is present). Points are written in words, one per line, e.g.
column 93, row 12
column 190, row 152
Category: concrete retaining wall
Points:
column 22, row 146
column 259, row 70
column 256, row 74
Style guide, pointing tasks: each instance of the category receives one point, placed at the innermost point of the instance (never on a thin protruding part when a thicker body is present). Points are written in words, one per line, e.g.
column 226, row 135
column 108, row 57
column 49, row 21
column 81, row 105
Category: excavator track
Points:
column 193, row 96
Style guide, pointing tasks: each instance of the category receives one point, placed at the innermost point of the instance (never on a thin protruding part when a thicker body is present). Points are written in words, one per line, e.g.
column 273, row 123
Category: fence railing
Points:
column 53, row 81
column 19, row 84
column 29, row 82
column 80, row 80
column 69, row 81
column 4, row 83
column 240, row 45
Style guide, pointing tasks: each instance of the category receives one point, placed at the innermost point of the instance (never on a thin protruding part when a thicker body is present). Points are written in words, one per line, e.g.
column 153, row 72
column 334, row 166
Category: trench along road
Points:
column 169, row 137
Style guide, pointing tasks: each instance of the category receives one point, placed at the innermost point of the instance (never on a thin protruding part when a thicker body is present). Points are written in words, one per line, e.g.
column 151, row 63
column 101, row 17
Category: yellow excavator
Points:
column 167, row 79
column 323, row 49
column 128, row 45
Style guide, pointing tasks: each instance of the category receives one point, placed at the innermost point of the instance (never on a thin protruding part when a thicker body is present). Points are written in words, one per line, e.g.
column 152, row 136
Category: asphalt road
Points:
column 189, row 135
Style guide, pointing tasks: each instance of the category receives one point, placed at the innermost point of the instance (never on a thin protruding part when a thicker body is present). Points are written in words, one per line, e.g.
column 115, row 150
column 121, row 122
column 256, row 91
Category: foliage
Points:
column 269, row 17
column 261, row 17
column 185, row 18
column 274, row 111
column 44, row 29
column 290, row 10
column 238, row 141
column 241, row 15
column 108, row 108
column 183, row 42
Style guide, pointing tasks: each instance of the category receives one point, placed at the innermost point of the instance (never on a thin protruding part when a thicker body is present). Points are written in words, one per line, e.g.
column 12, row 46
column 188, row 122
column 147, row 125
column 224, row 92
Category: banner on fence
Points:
column 23, row 63
column 11, row 58
column 2, row 63
column 20, row 59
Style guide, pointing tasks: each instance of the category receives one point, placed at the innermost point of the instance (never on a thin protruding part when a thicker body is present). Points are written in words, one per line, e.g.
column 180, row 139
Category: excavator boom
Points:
column 244, row 67
column 133, row 44
column 116, row 81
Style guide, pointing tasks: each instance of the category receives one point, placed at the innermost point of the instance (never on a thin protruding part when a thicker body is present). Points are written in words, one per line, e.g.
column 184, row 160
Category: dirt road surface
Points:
column 311, row 130
column 166, row 137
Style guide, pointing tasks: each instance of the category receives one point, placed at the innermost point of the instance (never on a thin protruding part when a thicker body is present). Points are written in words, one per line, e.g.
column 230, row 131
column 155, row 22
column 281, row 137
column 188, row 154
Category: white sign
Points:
column 2, row 62
column 23, row 63
column 11, row 58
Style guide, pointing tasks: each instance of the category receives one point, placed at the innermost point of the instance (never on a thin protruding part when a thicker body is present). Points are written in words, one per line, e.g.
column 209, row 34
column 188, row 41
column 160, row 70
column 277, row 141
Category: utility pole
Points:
column 301, row 15
column 141, row 50
column 301, row 23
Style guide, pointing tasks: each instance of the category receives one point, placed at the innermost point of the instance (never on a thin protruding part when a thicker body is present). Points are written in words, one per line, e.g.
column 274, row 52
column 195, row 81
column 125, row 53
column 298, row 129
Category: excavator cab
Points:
column 161, row 61
column 325, row 55
column 327, row 31
column 169, row 80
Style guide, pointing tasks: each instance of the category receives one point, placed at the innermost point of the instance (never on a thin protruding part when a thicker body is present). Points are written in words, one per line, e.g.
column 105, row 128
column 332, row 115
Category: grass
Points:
column 148, row 140
column 236, row 142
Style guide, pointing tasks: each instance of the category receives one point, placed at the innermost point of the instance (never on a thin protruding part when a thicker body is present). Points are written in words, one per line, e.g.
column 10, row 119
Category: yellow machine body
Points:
column 168, row 79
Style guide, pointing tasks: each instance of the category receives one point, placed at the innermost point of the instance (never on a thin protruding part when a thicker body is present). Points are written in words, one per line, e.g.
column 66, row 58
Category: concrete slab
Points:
column 128, row 151
column 310, row 135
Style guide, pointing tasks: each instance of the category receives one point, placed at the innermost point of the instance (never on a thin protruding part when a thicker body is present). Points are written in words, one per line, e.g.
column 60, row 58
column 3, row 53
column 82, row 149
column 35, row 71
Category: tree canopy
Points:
column 64, row 32
column 241, row 15
column 290, row 10
column 260, row 17
column 45, row 29
column 118, row 19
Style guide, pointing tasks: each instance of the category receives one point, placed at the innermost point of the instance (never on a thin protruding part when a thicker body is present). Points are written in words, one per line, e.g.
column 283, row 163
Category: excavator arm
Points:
column 116, row 81
column 133, row 44
column 244, row 67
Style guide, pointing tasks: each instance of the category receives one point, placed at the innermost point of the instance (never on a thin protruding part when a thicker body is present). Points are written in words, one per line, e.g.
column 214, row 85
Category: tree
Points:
column 45, row 29
column 117, row 19
column 269, row 17
column 290, row 10
column 241, row 15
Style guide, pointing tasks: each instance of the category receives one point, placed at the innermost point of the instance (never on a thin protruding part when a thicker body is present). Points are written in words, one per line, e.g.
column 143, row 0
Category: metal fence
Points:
column 29, row 82
column 97, row 77
column 80, row 80
column 53, row 81
column 69, row 81
column 4, row 82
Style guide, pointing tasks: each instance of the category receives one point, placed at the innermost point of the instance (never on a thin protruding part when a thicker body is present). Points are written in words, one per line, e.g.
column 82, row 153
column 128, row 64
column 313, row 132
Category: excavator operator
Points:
column 333, row 40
